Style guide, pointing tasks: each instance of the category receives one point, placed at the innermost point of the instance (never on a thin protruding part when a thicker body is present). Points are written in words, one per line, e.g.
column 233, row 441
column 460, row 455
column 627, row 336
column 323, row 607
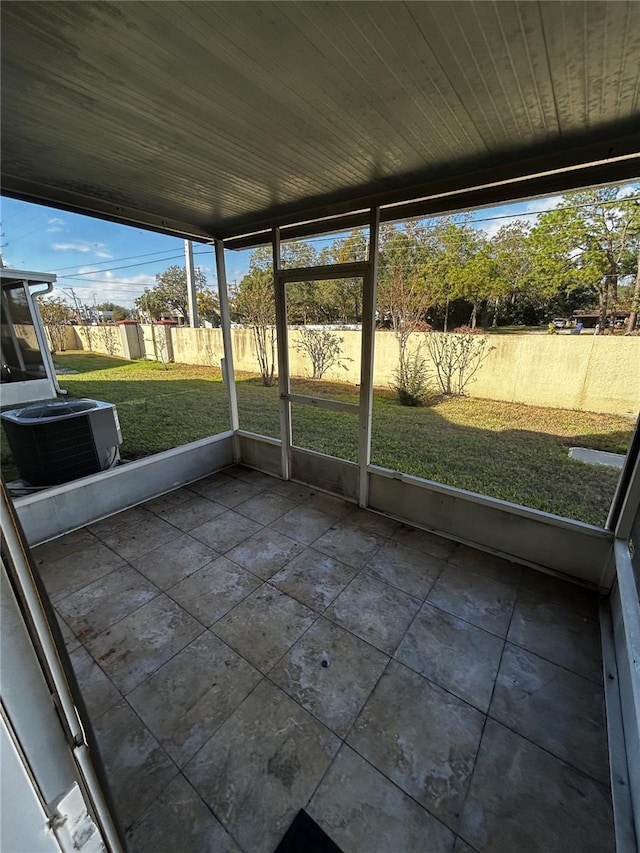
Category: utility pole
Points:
column 75, row 301
column 191, row 285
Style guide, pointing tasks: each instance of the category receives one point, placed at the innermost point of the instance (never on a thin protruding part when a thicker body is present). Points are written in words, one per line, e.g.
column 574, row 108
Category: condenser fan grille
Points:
column 63, row 451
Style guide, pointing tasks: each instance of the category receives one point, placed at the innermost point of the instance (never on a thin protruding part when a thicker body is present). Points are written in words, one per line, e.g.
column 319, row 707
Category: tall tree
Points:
column 169, row 293
column 460, row 265
column 119, row 311
column 586, row 242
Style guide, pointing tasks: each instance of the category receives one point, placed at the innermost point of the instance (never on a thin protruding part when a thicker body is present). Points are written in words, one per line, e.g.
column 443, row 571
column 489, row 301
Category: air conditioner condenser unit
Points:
column 61, row 440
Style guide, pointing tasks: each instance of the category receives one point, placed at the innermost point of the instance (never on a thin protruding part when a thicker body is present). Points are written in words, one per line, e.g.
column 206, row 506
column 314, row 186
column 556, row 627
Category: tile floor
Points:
column 247, row 647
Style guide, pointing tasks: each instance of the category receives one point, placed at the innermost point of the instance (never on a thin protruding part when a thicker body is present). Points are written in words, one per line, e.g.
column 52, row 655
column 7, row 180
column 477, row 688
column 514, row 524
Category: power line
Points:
column 115, row 260
column 77, row 276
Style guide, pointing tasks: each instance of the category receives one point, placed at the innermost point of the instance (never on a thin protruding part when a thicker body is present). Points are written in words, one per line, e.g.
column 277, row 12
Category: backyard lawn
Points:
column 509, row 451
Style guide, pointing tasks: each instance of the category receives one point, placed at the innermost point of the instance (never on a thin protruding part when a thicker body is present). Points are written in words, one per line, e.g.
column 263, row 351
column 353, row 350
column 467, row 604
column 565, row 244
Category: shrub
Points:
column 457, row 357
column 411, row 379
column 323, row 348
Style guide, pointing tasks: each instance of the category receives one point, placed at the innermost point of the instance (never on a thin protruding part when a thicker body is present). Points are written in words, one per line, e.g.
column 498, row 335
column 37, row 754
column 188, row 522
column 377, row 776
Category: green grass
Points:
column 509, row 451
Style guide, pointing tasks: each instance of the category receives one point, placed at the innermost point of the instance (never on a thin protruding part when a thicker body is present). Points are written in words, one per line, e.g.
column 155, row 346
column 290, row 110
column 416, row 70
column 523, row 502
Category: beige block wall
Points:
column 594, row 373
column 102, row 339
column 157, row 343
column 198, row 346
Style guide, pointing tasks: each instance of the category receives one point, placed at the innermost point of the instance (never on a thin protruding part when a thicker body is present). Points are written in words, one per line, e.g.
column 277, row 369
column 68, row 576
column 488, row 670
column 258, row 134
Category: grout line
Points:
column 400, row 788
column 561, row 666
column 486, row 713
column 548, row 751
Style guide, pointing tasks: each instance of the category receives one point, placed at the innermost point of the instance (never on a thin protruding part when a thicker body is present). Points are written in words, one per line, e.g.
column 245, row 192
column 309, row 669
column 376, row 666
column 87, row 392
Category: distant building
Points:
column 590, row 319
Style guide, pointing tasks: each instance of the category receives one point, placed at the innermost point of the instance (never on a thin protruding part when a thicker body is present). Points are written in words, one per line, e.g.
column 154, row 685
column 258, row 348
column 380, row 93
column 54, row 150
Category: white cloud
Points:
column 538, row 205
column 55, row 225
column 104, row 286
column 628, row 190
column 71, row 247
column 98, row 249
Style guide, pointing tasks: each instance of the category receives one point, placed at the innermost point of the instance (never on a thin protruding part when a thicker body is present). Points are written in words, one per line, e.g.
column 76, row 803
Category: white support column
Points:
column 283, row 358
column 227, row 362
column 369, row 297
column 191, row 285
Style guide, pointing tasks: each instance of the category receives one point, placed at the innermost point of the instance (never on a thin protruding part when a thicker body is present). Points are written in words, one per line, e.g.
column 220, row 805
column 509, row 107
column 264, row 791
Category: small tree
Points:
column 457, row 357
column 323, row 348
column 404, row 297
column 55, row 314
column 255, row 305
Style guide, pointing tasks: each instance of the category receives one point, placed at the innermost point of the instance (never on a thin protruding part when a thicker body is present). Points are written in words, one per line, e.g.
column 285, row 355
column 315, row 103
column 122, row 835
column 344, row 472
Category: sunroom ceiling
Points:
column 218, row 118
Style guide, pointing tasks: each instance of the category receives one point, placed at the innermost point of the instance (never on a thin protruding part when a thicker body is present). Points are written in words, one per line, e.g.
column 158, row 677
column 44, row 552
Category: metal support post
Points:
column 227, row 365
column 283, row 358
column 191, row 285
column 369, row 297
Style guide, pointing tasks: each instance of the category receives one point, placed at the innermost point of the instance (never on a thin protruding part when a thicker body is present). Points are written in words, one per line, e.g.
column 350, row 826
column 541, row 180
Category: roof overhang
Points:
column 220, row 119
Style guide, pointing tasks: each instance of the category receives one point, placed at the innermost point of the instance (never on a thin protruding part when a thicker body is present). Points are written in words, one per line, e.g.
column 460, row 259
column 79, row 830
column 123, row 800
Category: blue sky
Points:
column 103, row 261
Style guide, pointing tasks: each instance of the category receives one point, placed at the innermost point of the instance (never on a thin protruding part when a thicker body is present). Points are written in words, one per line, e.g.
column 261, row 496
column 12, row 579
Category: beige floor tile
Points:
column 374, row 611
column 437, row 546
column 556, row 709
column 331, row 673
column 314, row 579
column 422, row 738
column 363, row 812
column 96, row 607
column 136, row 539
column 234, row 493
column 175, row 560
column 265, row 552
column 167, row 501
column 192, row 512
column 224, row 532
column 474, row 597
column 488, row 564
column 98, row 692
column 207, row 486
column 214, row 590
column 349, row 543
column 452, row 653
column 263, row 626
column 140, row 643
column 524, row 799
column 262, row 766
column 304, row 523
column 137, row 767
column 178, row 820
column 78, row 569
column 558, row 634
column 190, row 696
column 584, row 601
column 406, row 568
column 265, row 507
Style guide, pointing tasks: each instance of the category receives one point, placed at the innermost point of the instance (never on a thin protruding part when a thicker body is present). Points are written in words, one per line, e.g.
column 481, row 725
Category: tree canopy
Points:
column 169, row 295
column 582, row 254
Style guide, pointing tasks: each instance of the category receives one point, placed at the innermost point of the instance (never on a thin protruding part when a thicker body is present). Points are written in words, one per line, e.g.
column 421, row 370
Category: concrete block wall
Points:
column 593, row 373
